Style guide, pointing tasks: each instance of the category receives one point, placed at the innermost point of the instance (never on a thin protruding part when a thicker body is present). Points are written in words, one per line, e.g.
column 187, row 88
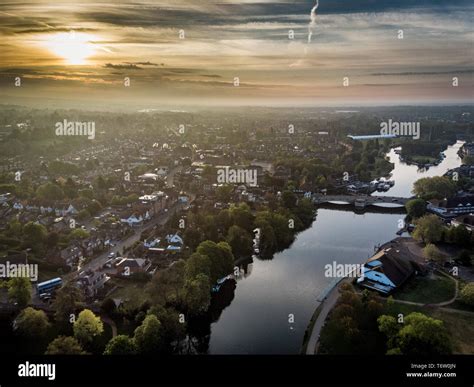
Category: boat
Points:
column 220, row 282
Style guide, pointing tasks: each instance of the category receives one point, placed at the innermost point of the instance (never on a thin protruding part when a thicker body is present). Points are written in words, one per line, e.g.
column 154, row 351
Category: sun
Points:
column 74, row 47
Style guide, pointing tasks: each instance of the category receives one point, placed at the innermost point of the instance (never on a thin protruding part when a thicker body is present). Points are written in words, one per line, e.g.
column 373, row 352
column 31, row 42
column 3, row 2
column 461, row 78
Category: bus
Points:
column 49, row 286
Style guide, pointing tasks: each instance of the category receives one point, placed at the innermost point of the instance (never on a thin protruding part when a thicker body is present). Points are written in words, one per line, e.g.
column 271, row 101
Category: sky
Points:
column 189, row 52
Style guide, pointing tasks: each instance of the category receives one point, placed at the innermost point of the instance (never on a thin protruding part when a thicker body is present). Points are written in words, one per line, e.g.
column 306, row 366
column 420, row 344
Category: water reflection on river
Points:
column 256, row 321
column 405, row 175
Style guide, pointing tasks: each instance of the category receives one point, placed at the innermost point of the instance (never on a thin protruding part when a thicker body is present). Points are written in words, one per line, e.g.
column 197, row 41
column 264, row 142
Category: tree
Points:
column 429, row 229
column 49, row 191
column 224, row 192
column 32, row 323
column 108, row 306
column 34, row 234
column 242, row 216
column 19, row 290
column 14, row 228
column 304, row 211
column 172, row 327
column 65, row 345
column 468, row 160
column 432, row 252
column 415, row 208
column 240, row 241
column 52, row 239
column 419, row 335
column 166, row 286
column 224, row 219
column 87, row 326
column 221, row 257
column 209, row 173
column 197, row 264
column 268, row 242
column 438, row 187
column 83, row 215
column 459, row 235
column 94, row 207
column 78, row 233
column 197, row 294
column 467, row 294
column 289, row 199
column 388, row 325
column 192, row 237
column 121, row 345
column 148, row 335
column 464, row 258
column 68, row 299
column 339, row 334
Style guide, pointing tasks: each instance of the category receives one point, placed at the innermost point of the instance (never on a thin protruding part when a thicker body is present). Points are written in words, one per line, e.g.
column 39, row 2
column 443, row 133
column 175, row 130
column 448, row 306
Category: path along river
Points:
column 257, row 319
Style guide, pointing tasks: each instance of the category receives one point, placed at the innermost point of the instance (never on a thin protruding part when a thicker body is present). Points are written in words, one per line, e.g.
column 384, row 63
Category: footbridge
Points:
column 359, row 201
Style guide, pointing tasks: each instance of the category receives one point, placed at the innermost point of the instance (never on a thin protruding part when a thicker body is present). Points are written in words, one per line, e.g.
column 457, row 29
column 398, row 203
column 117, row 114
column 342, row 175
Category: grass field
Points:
column 427, row 290
column 132, row 292
column 459, row 325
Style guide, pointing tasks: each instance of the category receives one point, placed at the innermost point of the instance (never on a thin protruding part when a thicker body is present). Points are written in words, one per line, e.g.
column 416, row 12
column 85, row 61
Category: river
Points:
column 257, row 321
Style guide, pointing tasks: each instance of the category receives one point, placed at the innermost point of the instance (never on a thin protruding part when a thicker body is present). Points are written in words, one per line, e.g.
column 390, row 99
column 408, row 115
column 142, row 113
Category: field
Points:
column 427, row 290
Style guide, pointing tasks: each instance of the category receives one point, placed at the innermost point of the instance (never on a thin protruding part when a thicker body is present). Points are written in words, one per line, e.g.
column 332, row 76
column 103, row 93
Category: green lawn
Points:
column 459, row 325
column 130, row 290
column 427, row 290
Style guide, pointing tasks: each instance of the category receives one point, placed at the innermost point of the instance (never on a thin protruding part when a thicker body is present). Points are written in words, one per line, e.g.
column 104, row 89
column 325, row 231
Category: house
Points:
column 92, row 245
column 183, row 198
column 129, row 266
column 387, row 270
column 149, row 177
column 151, row 242
column 464, row 220
column 161, row 171
column 18, row 206
column 60, row 224
column 92, row 282
column 282, row 172
column 137, row 214
column 175, row 242
column 156, row 201
column 452, row 207
column 71, row 255
column 5, row 197
column 131, row 219
column 467, row 149
column 461, row 171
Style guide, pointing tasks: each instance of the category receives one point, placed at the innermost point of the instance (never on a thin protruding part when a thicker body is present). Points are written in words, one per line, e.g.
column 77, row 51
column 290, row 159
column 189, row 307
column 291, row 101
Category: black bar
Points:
column 228, row 370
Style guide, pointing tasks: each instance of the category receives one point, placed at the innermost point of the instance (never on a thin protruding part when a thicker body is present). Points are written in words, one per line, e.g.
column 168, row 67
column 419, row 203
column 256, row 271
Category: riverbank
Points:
column 293, row 280
column 321, row 313
column 310, row 346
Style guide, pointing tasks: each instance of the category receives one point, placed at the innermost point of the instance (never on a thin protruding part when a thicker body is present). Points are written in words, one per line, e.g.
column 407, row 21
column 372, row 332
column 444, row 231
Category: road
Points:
column 99, row 261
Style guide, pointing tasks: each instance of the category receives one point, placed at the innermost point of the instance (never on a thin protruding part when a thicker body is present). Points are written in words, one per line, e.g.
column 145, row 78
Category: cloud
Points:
column 129, row 66
column 148, row 63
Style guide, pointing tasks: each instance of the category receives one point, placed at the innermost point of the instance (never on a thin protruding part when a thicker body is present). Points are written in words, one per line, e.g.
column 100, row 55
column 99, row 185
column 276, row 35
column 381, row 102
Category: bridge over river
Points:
column 360, row 201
